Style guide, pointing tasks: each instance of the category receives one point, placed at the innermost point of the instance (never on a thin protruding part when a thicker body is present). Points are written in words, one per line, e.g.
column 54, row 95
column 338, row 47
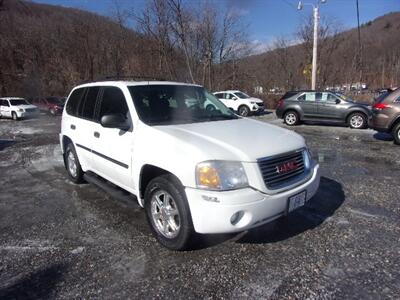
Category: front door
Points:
column 329, row 107
column 112, row 147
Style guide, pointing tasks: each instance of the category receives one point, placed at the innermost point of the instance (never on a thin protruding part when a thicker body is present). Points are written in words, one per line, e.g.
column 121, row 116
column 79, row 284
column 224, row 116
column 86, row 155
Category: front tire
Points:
column 291, row 118
column 72, row 164
column 14, row 116
column 396, row 134
column 357, row 121
column 243, row 110
column 168, row 212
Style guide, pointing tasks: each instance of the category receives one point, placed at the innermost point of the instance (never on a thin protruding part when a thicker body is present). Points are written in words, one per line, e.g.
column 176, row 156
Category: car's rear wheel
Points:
column 357, row 120
column 291, row 118
column 243, row 110
column 72, row 164
column 168, row 212
column 396, row 134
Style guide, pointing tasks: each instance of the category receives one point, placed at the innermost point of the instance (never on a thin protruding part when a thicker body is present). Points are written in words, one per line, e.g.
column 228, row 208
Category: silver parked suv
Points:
column 322, row 106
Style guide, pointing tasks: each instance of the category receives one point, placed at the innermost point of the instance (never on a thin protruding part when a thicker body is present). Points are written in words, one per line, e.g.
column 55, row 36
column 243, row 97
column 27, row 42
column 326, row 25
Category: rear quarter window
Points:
column 74, row 100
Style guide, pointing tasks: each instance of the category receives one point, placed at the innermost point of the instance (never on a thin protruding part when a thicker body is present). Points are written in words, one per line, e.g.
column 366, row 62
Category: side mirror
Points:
column 337, row 101
column 115, row 121
column 234, row 98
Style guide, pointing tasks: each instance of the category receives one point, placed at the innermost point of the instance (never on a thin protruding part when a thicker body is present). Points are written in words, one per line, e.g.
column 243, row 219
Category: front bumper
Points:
column 212, row 211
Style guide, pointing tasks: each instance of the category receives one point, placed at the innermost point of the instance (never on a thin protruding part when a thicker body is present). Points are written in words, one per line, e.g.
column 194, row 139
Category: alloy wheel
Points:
column 356, row 121
column 72, row 167
column 165, row 214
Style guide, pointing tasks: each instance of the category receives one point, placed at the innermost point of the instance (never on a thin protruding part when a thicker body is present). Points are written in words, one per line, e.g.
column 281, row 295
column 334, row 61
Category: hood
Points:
column 242, row 139
column 252, row 99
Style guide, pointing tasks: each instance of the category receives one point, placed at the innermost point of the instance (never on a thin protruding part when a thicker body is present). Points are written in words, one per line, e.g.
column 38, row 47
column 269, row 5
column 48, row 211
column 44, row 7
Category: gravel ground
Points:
column 60, row 240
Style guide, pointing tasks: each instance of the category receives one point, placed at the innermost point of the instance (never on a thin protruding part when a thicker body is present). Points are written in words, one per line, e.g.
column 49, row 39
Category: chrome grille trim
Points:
column 275, row 180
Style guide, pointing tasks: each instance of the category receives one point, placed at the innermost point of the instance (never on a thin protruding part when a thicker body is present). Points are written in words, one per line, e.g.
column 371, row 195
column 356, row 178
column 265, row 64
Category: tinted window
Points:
column 288, row 95
column 19, row 102
column 219, row 95
column 113, row 102
column 88, row 108
column 74, row 100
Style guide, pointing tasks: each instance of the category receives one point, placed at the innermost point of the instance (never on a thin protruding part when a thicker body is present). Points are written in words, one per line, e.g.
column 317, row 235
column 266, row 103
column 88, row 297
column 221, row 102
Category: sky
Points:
column 266, row 19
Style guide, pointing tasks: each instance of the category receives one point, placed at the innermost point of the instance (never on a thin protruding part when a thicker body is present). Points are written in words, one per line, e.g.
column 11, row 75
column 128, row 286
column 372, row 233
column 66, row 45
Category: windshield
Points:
column 54, row 100
column 19, row 102
column 177, row 104
column 241, row 95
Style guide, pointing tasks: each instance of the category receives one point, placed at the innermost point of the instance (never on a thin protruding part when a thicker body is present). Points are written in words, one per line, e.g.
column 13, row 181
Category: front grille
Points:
column 30, row 109
column 282, row 170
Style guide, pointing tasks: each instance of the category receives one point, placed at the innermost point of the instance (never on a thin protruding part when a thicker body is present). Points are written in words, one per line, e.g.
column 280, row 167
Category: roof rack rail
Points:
column 134, row 77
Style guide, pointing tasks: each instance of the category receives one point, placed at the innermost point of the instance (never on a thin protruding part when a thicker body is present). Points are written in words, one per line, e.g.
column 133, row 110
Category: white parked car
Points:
column 17, row 108
column 193, row 170
column 240, row 102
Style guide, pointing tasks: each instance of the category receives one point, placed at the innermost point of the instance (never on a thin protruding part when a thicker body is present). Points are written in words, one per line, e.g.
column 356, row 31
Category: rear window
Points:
column 289, row 94
column 74, row 100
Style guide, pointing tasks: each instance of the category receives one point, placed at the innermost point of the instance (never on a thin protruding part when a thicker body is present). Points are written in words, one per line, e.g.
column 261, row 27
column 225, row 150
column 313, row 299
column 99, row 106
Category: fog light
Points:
column 236, row 217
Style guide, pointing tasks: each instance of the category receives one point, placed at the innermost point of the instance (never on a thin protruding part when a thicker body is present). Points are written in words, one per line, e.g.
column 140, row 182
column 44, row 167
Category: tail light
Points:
column 280, row 103
column 381, row 106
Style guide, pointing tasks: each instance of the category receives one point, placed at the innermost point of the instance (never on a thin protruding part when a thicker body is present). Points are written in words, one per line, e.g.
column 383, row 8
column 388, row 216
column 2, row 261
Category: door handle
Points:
column 73, row 126
column 96, row 134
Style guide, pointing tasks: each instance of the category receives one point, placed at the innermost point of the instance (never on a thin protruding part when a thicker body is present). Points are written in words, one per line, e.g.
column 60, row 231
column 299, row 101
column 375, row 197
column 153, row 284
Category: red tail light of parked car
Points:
column 381, row 106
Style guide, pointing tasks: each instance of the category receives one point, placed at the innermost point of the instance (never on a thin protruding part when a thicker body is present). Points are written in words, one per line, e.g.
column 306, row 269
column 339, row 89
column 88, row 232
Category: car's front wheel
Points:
column 72, row 164
column 168, row 212
column 396, row 134
column 244, row 111
column 14, row 116
column 291, row 118
column 357, row 121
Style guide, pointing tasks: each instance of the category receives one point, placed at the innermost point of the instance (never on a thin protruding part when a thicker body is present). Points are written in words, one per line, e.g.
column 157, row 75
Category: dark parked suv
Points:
column 386, row 115
column 322, row 106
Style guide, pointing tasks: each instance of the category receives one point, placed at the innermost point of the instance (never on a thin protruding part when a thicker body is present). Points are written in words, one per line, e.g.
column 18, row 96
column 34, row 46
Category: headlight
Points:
column 253, row 103
column 220, row 175
column 307, row 159
column 20, row 110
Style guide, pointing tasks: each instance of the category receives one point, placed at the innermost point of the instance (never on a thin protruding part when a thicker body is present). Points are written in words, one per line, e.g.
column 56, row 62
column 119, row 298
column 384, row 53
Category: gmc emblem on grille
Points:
column 286, row 167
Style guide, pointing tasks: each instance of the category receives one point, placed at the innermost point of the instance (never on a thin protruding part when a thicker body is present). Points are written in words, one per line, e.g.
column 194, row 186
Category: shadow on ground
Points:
column 328, row 199
column 5, row 143
column 37, row 285
column 382, row 136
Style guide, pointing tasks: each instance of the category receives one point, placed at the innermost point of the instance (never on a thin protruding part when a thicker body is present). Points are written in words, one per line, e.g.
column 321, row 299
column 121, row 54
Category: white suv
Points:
column 17, row 108
column 194, row 170
column 240, row 102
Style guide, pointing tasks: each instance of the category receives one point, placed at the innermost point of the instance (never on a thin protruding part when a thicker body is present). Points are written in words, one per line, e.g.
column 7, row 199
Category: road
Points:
column 66, row 241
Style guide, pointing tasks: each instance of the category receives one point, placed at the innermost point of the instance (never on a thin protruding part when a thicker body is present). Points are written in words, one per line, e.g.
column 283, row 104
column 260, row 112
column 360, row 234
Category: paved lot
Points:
column 59, row 240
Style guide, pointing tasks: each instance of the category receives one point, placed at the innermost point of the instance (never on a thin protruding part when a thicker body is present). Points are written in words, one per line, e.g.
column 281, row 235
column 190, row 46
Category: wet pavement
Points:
column 66, row 241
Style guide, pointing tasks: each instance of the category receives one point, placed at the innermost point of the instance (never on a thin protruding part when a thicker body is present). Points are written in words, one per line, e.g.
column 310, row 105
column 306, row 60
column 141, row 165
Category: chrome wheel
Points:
column 290, row 118
column 356, row 121
column 165, row 214
column 71, row 162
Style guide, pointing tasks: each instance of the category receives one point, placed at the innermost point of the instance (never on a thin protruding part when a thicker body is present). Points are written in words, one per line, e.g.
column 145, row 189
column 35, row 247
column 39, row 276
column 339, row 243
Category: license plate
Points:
column 296, row 201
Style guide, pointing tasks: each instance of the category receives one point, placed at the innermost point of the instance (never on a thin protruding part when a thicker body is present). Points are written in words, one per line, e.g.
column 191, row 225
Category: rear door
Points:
column 307, row 102
column 112, row 147
column 6, row 109
column 329, row 107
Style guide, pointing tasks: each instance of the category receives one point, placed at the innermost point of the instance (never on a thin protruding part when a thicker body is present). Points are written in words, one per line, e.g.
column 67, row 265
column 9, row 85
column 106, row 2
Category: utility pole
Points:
column 315, row 42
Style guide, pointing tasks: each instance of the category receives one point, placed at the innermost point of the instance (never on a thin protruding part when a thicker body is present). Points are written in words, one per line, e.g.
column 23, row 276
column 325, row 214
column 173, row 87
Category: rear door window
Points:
column 74, row 100
column 87, row 111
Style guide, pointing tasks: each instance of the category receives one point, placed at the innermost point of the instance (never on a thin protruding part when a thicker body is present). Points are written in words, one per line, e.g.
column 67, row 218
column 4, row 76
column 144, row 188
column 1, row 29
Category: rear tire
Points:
column 168, row 212
column 357, row 120
column 291, row 118
column 72, row 164
column 396, row 134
